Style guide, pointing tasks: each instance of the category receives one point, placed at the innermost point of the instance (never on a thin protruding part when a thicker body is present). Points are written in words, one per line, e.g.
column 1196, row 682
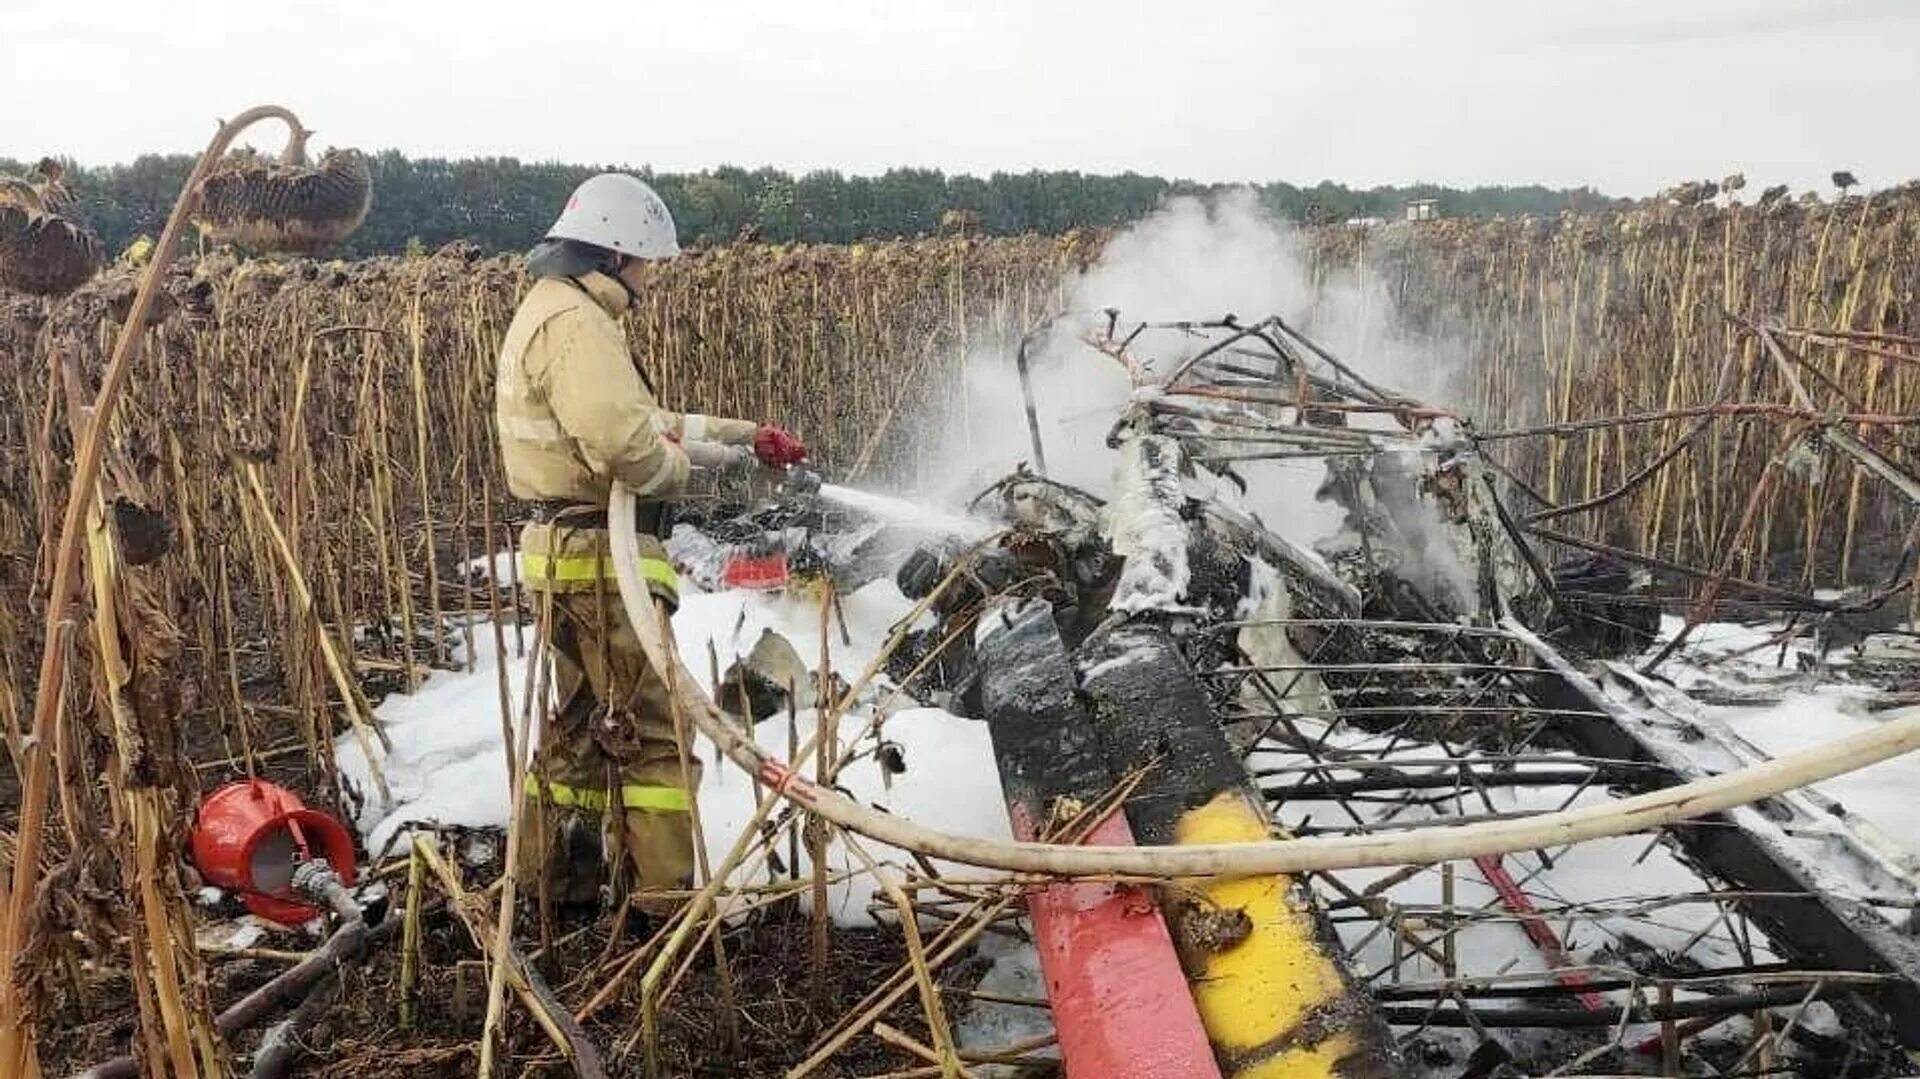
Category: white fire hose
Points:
column 1420, row 846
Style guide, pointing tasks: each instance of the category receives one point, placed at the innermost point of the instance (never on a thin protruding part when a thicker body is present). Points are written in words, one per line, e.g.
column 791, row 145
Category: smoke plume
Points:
column 1193, row 259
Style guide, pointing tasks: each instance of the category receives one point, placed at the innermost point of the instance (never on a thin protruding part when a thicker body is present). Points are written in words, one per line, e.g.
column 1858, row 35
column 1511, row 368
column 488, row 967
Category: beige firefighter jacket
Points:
column 574, row 414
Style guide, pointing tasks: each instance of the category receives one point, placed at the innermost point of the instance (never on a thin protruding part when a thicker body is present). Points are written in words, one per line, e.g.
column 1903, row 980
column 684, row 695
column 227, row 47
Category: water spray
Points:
column 903, row 512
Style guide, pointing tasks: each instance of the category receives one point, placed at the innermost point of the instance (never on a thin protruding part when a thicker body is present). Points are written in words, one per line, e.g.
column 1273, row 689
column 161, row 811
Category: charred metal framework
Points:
column 1408, row 744
column 1167, row 651
column 1410, row 672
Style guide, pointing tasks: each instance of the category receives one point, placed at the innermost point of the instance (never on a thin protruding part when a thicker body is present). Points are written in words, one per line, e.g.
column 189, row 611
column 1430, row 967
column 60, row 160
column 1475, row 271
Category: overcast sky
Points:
column 1625, row 95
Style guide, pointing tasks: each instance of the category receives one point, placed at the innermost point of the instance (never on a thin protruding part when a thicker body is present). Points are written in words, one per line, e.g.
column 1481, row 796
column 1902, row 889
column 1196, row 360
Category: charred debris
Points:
column 1434, row 659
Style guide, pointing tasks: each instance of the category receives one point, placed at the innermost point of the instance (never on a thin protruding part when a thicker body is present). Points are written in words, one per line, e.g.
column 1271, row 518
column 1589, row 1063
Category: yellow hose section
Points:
column 1258, row 991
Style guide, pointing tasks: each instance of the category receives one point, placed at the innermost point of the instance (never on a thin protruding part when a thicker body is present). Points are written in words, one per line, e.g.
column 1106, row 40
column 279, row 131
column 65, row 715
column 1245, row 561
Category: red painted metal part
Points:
column 239, row 818
column 1120, row 1002
column 1537, row 929
column 755, row 572
column 1653, row 1043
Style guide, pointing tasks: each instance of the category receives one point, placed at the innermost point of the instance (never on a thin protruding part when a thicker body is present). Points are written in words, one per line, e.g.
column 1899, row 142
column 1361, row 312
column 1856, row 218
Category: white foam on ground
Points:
column 448, row 764
column 498, row 566
column 950, row 783
column 1806, row 708
column 1595, row 872
column 732, row 621
column 1883, row 793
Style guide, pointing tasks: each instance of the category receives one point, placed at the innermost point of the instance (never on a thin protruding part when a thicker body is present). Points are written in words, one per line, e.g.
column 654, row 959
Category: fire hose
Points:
column 1421, row 846
column 303, row 981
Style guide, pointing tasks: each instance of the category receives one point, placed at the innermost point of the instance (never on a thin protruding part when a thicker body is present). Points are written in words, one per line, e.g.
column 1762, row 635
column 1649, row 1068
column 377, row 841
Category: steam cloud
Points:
column 1192, row 259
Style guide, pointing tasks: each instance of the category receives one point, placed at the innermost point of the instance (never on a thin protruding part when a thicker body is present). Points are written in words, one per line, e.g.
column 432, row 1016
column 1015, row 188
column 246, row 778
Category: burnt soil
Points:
column 361, row 1036
column 92, row 1015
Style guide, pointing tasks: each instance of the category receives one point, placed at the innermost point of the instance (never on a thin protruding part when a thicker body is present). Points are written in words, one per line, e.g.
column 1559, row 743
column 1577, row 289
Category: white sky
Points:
column 1626, row 95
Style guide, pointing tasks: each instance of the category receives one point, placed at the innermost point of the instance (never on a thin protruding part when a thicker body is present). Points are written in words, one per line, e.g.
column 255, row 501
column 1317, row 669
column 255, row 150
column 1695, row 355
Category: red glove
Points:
column 777, row 448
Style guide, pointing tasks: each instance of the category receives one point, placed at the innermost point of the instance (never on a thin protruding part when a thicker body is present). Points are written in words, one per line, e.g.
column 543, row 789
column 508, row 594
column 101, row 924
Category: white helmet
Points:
column 620, row 213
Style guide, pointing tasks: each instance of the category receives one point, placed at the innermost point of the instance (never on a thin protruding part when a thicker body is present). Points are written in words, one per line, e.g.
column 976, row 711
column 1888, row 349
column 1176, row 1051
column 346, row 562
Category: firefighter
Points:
column 575, row 413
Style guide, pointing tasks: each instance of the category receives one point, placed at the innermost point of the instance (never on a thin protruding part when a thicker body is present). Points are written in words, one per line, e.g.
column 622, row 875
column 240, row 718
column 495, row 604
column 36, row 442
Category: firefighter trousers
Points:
column 607, row 797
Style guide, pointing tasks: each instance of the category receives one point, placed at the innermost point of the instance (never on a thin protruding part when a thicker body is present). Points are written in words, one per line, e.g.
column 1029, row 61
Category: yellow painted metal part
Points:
column 1262, row 992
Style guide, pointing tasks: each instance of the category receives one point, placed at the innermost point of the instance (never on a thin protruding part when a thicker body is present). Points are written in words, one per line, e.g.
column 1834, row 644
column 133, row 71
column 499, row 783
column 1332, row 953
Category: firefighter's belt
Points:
column 632, row 796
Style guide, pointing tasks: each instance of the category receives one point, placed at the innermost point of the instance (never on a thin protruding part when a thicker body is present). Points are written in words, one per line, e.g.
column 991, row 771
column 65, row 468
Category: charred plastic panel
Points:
column 1042, row 737
column 1119, row 998
column 1150, row 710
column 1266, row 970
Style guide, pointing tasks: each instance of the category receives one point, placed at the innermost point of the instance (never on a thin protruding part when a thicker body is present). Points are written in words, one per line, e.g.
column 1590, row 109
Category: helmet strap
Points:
column 617, row 272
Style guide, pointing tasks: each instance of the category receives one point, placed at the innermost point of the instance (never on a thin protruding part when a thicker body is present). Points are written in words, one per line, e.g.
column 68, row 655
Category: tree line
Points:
column 503, row 204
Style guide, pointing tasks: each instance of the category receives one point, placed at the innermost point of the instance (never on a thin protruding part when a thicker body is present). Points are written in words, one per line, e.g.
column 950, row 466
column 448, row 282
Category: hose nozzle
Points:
column 801, row 480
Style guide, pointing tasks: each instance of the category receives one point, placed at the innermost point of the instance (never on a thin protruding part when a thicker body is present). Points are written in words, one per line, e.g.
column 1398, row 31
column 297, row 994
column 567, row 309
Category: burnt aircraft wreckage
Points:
column 1164, row 649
